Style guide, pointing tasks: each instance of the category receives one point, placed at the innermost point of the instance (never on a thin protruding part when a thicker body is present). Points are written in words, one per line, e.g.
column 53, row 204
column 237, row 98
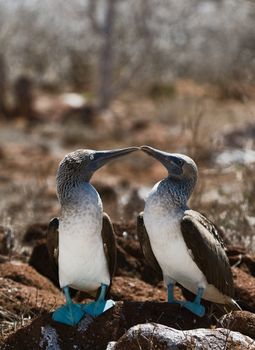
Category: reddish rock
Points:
column 35, row 232
column 26, row 275
column 40, row 261
column 25, row 292
column 22, row 300
column 240, row 321
column 130, row 259
column 133, row 289
column 239, row 258
column 244, row 287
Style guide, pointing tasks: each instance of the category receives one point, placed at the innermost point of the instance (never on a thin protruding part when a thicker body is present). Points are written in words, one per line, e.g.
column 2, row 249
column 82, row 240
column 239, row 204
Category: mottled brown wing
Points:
column 146, row 246
column 52, row 243
column 109, row 242
column 207, row 250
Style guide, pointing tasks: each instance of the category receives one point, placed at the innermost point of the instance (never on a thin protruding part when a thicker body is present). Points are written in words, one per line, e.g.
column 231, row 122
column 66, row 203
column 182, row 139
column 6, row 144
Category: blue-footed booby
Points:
column 81, row 242
column 181, row 242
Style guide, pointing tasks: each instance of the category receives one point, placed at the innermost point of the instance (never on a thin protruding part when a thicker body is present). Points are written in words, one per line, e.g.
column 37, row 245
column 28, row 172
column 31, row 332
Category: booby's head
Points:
column 181, row 169
column 78, row 167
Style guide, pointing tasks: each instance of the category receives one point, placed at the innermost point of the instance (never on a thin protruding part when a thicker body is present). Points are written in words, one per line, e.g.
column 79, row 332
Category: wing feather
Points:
column 109, row 242
column 52, row 244
column 146, row 246
column 207, row 248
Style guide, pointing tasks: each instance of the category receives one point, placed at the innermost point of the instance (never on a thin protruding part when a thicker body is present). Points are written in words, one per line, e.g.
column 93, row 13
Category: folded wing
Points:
column 146, row 246
column 207, row 249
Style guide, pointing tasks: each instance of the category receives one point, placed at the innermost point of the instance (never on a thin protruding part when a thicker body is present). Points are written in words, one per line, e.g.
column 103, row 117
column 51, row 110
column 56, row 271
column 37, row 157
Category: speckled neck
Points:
column 68, row 192
column 175, row 192
column 75, row 196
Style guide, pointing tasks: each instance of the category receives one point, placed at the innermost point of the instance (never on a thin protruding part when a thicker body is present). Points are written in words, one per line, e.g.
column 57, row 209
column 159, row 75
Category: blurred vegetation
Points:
column 103, row 47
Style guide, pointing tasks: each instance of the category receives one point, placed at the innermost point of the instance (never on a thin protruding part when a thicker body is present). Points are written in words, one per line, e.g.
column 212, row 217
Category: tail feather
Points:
column 230, row 306
column 234, row 306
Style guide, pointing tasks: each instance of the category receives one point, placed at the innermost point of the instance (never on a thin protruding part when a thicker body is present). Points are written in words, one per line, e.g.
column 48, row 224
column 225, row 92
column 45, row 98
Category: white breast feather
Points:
column 82, row 262
column 163, row 227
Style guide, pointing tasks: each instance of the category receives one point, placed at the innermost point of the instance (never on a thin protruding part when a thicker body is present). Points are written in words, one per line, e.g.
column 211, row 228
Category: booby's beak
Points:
column 100, row 158
column 171, row 162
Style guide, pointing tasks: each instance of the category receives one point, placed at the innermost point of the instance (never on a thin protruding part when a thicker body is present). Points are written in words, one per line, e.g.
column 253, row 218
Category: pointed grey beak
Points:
column 166, row 159
column 103, row 157
column 156, row 153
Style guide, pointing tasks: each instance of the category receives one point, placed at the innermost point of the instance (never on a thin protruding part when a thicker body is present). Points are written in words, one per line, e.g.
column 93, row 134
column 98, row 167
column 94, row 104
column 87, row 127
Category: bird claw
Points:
column 69, row 314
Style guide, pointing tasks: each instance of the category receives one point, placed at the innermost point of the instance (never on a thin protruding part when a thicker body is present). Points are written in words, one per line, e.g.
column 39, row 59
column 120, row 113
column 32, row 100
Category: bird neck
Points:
column 176, row 192
column 73, row 192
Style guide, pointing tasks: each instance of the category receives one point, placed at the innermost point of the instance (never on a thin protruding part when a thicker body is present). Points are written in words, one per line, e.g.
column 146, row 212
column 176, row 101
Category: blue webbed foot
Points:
column 99, row 306
column 197, row 309
column 69, row 314
column 195, row 306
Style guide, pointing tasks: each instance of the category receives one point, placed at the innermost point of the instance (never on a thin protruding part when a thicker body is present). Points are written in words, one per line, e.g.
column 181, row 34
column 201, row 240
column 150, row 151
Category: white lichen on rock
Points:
column 111, row 345
column 49, row 339
column 85, row 322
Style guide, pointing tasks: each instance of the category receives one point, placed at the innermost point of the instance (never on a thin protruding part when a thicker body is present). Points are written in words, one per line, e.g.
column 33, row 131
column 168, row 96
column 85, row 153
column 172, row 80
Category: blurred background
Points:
column 177, row 75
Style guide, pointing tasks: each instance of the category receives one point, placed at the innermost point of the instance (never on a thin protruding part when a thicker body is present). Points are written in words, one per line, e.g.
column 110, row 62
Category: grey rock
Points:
column 156, row 336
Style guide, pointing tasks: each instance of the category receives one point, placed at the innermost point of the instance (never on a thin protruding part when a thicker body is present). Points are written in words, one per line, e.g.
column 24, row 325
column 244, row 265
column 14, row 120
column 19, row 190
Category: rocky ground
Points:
column 141, row 318
column 29, row 152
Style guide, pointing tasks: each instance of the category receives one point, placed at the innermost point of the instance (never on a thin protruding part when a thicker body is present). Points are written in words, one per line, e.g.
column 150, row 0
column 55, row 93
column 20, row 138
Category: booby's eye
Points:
column 179, row 162
column 91, row 156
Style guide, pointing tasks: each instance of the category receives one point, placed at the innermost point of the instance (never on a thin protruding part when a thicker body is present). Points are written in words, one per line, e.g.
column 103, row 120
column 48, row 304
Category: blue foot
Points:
column 69, row 314
column 98, row 307
column 197, row 309
column 195, row 306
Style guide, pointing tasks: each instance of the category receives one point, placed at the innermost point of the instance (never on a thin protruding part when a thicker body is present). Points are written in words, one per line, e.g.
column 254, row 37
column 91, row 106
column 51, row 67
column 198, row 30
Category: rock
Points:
column 3, row 258
column 133, row 289
column 239, row 258
column 130, row 259
column 26, row 275
column 24, row 292
column 133, row 206
column 35, row 232
column 25, row 301
column 40, row 261
column 241, row 136
column 108, row 191
column 244, row 287
column 111, row 345
column 240, row 321
column 235, row 156
column 156, row 336
column 44, row 333
column 6, row 240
